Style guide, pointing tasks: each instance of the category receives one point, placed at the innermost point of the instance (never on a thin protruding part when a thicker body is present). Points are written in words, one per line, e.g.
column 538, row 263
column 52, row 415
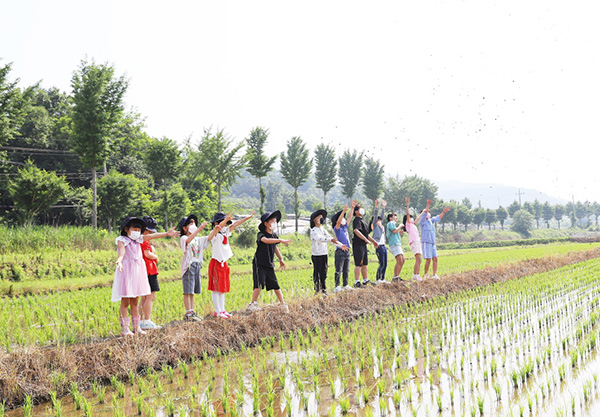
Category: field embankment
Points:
column 33, row 370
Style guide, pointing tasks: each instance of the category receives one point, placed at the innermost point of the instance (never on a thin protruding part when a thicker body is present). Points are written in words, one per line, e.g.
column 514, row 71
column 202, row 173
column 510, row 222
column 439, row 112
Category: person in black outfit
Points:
column 263, row 269
column 360, row 240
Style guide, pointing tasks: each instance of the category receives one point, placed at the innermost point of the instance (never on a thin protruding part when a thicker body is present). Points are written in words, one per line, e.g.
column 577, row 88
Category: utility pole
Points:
column 520, row 194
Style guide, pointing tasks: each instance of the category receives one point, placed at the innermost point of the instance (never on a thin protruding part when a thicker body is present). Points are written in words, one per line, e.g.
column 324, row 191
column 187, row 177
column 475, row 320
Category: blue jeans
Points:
column 381, row 252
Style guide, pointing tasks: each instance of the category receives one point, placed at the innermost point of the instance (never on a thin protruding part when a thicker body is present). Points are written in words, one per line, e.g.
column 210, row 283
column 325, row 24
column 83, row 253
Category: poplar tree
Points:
column 295, row 168
column 325, row 169
column 350, row 164
column 259, row 165
column 97, row 106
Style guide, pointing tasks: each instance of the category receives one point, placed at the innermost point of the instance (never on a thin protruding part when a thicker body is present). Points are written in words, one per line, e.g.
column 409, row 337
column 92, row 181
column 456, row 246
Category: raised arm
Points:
column 221, row 225
column 340, row 217
column 446, row 210
column 193, row 235
column 241, row 221
column 351, row 212
column 374, row 219
column 273, row 241
column 170, row 233
column 407, row 200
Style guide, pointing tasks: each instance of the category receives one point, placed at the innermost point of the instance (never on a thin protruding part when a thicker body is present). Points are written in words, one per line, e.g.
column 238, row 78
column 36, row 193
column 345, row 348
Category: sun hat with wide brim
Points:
column 219, row 217
column 315, row 215
column 129, row 221
column 335, row 217
column 150, row 223
column 185, row 221
column 268, row 216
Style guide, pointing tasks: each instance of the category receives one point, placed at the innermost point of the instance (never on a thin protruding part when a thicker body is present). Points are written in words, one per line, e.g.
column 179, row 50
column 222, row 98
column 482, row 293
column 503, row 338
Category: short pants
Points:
column 429, row 250
column 153, row 281
column 264, row 277
column 396, row 250
column 191, row 279
column 415, row 247
column 361, row 258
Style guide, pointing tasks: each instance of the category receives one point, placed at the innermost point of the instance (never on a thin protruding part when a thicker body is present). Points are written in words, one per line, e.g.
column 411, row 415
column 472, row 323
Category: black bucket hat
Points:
column 219, row 217
column 315, row 214
column 150, row 223
column 335, row 217
column 130, row 221
column 268, row 216
column 185, row 221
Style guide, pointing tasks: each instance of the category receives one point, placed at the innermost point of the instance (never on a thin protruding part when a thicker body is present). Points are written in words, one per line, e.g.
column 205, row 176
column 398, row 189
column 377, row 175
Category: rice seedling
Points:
column 345, row 405
column 169, row 406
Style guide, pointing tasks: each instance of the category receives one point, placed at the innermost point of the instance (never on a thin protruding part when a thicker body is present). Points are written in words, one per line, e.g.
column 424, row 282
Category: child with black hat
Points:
column 191, row 265
column 319, row 239
column 342, row 256
column 151, row 259
column 263, row 270
column 218, row 270
column 131, row 280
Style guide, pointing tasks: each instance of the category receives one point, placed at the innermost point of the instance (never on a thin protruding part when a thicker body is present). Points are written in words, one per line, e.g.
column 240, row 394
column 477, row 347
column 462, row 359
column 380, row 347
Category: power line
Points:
column 36, row 150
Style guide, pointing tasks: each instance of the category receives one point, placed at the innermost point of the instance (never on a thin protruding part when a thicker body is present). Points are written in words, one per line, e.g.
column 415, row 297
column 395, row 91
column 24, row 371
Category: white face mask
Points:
column 135, row 235
column 344, row 222
column 361, row 211
column 192, row 228
column 273, row 225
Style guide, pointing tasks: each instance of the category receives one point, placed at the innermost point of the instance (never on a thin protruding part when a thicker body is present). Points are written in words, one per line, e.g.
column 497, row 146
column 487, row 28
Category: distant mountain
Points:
column 490, row 195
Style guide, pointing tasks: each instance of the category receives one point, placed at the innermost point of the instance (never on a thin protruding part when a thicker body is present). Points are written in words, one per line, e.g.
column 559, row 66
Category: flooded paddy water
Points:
column 522, row 347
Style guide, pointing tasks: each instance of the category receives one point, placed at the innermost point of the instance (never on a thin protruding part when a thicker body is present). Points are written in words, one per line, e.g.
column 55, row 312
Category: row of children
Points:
column 136, row 273
column 391, row 233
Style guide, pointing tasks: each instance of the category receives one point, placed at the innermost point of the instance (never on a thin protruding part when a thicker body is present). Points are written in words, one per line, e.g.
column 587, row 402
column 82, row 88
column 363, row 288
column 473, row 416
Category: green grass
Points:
column 71, row 316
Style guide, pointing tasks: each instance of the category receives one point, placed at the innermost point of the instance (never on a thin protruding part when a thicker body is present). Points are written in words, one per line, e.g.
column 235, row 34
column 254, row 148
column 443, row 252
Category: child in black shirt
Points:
column 263, row 269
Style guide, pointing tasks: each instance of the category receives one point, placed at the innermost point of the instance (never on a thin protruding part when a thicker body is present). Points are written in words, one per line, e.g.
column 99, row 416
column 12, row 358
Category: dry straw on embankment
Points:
column 28, row 371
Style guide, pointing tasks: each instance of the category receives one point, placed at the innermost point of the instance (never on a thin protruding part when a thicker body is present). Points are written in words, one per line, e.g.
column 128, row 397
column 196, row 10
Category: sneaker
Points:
column 191, row 317
column 358, row 284
column 436, row 276
column 285, row 307
column 226, row 314
column 150, row 325
column 253, row 306
column 347, row 287
column 367, row 282
column 396, row 279
column 382, row 281
column 417, row 278
column 337, row 289
column 222, row 315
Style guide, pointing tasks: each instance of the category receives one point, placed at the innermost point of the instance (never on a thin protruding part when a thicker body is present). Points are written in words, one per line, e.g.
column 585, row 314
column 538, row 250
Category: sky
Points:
column 504, row 92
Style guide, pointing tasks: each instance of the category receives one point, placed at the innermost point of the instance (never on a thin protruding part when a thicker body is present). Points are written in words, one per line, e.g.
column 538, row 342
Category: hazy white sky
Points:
column 502, row 91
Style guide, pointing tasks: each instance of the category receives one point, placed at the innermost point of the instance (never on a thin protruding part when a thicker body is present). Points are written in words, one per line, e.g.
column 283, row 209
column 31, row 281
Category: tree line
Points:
column 82, row 158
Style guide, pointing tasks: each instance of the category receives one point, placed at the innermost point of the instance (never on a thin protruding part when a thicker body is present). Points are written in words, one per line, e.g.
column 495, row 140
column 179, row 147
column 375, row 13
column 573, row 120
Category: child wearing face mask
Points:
column 263, row 269
column 359, row 246
column 192, row 246
column 342, row 257
column 218, row 270
column 131, row 279
column 319, row 239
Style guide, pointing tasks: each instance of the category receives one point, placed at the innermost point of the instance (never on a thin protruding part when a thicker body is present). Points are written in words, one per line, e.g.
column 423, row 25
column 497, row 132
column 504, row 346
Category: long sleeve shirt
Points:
column 378, row 230
column 319, row 238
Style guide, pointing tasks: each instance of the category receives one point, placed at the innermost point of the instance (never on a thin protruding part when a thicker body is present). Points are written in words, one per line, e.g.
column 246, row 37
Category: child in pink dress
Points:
column 131, row 278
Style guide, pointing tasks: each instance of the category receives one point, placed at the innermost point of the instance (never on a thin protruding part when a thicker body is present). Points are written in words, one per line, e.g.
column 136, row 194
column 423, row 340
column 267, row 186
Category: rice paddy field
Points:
column 518, row 347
